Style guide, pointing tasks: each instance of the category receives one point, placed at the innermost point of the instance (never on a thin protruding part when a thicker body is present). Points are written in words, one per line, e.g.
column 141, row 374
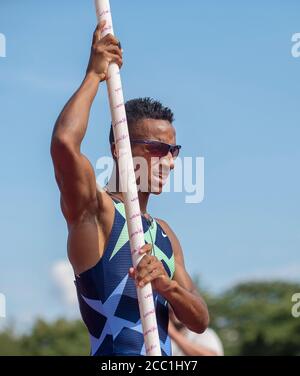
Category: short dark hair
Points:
column 144, row 108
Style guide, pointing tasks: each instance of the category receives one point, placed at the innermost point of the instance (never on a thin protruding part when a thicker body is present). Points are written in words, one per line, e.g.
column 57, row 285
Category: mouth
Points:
column 160, row 175
column 162, row 179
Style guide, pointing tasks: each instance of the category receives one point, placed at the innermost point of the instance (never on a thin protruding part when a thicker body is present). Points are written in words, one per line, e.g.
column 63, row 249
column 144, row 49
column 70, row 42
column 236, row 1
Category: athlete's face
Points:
column 153, row 161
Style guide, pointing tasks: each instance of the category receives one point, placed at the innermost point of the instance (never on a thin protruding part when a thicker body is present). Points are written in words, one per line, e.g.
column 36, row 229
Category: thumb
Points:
column 147, row 248
column 131, row 272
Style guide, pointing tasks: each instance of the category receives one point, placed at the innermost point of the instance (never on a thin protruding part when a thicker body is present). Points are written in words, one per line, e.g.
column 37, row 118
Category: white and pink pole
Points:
column 128, row 186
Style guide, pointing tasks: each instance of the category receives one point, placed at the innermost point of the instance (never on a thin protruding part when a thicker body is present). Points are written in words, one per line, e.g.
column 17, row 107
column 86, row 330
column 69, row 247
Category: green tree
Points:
column 251, row 318
column 255, row 318
column 61, row 337
column 9, row 343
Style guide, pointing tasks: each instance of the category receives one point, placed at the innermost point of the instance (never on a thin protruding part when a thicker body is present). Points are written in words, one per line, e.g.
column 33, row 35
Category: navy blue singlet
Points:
column 107, row 295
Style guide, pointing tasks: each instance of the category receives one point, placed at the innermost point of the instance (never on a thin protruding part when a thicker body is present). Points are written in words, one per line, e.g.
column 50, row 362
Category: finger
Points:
column 146, row 248
column 114, row 50
column 132, row 272
column 144, row 261
column 116, row 59
column 112, row 58
column 110, row 39
column 148, row 269
column 97, row 33
column 150, row 277
column 102, row 25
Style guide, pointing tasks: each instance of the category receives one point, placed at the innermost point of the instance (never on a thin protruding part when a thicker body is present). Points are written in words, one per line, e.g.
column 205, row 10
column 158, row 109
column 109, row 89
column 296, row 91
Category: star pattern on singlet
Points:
column 114, row 324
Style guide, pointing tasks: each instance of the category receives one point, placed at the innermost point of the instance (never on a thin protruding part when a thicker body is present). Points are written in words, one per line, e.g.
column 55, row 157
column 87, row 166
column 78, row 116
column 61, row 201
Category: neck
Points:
column 143, row 199
column 113, row 188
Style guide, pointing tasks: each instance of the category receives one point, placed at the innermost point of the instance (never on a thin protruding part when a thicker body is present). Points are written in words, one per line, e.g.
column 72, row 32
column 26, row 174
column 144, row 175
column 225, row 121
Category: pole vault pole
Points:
column 128, row 186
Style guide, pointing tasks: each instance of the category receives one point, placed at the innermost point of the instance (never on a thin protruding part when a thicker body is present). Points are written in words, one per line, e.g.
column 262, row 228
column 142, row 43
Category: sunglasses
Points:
column 159, row 149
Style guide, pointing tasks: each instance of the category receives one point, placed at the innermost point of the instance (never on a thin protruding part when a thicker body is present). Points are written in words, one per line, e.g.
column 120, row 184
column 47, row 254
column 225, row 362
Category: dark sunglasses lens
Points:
column 175, row 151
column 158, row 150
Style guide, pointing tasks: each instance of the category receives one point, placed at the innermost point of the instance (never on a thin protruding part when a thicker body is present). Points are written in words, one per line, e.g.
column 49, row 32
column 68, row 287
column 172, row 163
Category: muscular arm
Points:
column 73, row 171
column 188, row 305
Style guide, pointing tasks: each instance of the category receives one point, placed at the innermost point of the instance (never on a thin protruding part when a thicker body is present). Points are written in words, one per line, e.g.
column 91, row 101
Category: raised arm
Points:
column 74, row 173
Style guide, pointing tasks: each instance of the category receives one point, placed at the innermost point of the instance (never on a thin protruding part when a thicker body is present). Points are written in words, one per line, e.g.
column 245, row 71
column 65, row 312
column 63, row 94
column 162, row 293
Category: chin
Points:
column 156, row 192
column 157, row 189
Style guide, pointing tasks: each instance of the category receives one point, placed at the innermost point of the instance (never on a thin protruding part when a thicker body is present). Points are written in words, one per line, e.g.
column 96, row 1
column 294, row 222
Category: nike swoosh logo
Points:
column 164, row 235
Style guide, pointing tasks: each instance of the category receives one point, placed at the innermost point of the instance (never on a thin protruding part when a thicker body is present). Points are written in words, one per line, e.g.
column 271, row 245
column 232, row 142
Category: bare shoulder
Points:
column 178, row 253
column 89, row 235
column 181, row 275
column 165, row 226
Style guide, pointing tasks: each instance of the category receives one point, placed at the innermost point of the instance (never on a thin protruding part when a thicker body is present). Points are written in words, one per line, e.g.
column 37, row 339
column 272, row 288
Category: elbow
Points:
column 203, row 322
column 63, row 137
column 60, row 146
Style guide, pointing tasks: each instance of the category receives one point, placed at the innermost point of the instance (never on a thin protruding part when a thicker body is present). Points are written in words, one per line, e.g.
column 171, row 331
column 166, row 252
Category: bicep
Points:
column 183, row 278
column 181, row 275
column 76, row 180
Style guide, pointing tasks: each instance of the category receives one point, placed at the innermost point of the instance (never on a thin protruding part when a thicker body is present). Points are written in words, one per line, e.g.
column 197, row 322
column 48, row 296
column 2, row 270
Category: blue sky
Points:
column 226, row 70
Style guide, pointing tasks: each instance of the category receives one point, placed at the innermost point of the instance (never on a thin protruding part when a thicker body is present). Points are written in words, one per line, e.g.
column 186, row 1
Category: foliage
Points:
column 251, row 318
column 255, row 319
column 58, row 338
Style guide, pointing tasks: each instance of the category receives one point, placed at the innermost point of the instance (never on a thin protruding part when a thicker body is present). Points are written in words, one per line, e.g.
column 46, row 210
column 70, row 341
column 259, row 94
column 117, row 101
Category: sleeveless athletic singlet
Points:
column 107, row 295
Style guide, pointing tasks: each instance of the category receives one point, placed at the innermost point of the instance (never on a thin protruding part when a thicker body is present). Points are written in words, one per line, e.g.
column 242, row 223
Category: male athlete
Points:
column 98, row 242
